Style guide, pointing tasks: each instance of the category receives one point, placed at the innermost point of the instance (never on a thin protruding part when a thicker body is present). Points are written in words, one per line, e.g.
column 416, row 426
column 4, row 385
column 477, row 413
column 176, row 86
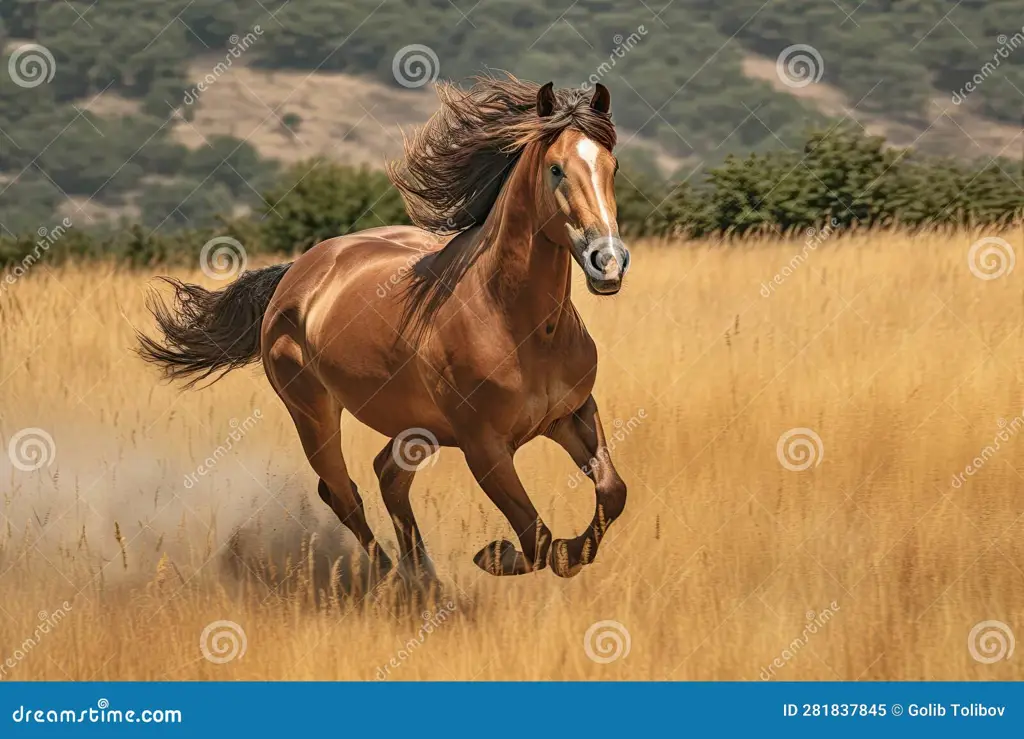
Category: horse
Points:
column 457, row 331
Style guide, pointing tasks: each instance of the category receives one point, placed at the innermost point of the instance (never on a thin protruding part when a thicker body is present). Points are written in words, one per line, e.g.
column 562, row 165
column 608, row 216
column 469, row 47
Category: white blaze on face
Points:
column 588, row 152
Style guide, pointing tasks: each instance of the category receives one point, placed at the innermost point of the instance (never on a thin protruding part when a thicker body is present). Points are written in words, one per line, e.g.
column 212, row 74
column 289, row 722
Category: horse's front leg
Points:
column 582, row 436
column 490, row 461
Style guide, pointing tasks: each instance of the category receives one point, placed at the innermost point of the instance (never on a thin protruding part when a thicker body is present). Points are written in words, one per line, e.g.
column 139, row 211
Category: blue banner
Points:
column 482, row 709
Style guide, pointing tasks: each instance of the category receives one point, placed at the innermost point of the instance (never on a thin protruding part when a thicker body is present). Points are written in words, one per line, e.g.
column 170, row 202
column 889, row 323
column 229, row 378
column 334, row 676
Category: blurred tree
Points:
column 318, row 200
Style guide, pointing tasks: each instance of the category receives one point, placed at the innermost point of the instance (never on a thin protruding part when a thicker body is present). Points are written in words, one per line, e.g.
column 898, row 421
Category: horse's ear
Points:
column 602, row 100
column 546, row 100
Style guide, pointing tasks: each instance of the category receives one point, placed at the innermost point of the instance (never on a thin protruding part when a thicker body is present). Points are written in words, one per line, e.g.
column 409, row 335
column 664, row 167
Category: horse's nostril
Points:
column 597, row 261
column 625, row 260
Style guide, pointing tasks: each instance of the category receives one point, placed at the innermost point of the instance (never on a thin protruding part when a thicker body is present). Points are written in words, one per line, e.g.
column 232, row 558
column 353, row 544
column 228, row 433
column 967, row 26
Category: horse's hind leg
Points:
column 317, row 418
column 395, row 483
column 582, row 436
column 321, row 440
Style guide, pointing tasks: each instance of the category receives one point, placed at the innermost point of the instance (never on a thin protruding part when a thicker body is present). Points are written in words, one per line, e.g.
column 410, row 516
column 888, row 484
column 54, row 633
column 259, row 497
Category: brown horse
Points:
column 469, row 341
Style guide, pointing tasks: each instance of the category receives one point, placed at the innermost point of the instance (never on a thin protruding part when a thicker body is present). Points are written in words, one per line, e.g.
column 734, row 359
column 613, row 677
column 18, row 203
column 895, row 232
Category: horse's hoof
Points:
column 559, row 560
column 498, row 558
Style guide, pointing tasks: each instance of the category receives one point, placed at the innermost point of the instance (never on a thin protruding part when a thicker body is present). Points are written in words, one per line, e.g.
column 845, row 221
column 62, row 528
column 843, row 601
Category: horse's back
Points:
column 322, row 272
column 403, row 237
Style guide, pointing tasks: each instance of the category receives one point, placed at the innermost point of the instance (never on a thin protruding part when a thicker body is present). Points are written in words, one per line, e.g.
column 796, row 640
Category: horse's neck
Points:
column 529, row 274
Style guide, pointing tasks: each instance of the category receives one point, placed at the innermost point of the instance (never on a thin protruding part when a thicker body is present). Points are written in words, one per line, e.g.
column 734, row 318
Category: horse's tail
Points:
column 206, row 331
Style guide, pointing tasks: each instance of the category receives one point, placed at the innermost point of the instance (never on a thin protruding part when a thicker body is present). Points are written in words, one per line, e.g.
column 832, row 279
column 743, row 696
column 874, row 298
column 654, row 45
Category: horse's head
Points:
column 578, row 197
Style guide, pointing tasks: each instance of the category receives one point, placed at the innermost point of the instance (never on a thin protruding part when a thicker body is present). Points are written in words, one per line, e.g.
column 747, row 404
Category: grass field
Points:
column 874, row 563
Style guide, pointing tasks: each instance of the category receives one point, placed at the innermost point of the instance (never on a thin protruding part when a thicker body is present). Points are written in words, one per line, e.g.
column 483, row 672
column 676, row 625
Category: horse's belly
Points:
column 390, row 404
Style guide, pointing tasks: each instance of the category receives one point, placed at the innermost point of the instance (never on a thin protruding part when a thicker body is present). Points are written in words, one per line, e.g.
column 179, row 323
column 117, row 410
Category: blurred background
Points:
column 192, row 114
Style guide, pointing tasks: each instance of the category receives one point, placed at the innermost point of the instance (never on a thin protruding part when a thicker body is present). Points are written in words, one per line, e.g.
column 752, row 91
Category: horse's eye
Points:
column 557, row 172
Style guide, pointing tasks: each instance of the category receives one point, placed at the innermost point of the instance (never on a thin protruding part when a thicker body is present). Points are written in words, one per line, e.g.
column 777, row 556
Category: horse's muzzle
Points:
column 605, row 261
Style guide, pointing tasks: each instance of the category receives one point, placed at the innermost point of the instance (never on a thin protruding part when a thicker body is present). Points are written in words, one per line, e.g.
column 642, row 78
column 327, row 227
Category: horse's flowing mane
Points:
column 456, row 166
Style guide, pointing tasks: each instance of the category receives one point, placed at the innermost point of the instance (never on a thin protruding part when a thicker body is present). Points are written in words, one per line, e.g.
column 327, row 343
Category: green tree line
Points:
column 839, row 179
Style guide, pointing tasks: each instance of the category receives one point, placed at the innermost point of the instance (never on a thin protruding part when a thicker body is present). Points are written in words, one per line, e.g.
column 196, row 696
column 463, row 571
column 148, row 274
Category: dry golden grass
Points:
column 886, row 346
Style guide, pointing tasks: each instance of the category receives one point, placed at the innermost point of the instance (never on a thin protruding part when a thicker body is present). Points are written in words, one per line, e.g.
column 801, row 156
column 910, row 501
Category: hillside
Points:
column 356, row 120
column 963, row 132
column 289, row 116
column 348, row 119
column 113, row 125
